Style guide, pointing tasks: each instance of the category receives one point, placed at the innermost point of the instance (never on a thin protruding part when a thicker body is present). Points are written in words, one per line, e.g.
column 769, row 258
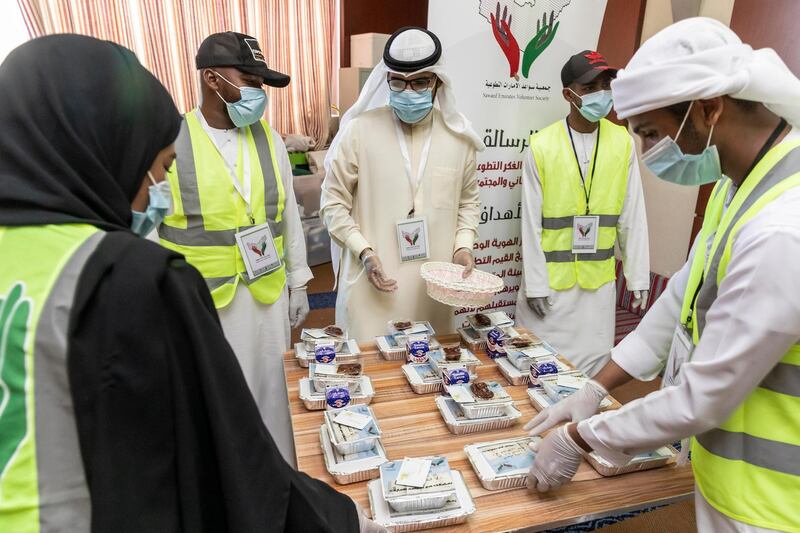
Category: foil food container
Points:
column 391, row 349
column 416, row 327
column 523, row 358
column 468, row 359
column 496, row 319
column 511, row 373
column 321, row 380
column 644, row 461
column 502, row 464
column 423, row 378
column 310, row 336
column 484, row 408
column 540, row 400
column 346, row 469
column 458, row 424
column 347, row 440
column 438, row 488
column 456, row 510
column 315, row 401
column 350, row 353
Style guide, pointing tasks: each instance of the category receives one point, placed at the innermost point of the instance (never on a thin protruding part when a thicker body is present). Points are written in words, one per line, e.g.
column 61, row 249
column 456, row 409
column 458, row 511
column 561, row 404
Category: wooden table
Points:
column 412, row 427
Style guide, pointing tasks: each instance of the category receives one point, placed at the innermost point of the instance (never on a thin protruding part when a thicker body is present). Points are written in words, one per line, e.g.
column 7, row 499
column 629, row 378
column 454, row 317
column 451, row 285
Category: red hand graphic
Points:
column 508, row 44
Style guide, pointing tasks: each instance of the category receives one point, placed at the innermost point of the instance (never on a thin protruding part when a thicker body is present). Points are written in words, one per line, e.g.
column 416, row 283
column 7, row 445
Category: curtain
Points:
column 296, row 37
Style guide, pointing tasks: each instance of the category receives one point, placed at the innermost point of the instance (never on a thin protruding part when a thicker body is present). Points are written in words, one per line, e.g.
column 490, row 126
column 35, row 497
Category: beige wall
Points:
column 670, row 208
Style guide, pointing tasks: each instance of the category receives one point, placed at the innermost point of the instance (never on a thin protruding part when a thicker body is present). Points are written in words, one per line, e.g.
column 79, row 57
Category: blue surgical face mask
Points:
column 595, row 106
column 249, row 108
column 667, row 161
column 411, row 106
column 160, row 202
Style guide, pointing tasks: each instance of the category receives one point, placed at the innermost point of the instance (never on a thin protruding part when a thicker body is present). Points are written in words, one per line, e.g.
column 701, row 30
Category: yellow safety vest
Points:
column 564, row 197
column 42, row 477
column 749, row 467
column 208, row 211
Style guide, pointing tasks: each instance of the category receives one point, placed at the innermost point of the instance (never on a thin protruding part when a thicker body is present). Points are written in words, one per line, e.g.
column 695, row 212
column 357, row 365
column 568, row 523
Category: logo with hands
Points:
column 515, row 23
column 15, row 312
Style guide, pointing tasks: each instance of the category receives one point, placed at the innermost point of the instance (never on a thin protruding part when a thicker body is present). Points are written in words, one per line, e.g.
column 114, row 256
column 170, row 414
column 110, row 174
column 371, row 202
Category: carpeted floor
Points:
column 676, row 518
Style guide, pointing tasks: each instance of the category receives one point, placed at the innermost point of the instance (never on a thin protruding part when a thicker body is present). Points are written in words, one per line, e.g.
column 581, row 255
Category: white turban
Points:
column 409, row 44
column 701, row 58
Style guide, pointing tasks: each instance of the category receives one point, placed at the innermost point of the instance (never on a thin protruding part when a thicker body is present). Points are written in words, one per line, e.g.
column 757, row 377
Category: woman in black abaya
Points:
column 170, row 438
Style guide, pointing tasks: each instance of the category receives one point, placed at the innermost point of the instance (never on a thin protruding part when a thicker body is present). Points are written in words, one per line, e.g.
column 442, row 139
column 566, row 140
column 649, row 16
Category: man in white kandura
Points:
column 581, row 193
column 400, row 187
column 236, row 219
column 726, row 332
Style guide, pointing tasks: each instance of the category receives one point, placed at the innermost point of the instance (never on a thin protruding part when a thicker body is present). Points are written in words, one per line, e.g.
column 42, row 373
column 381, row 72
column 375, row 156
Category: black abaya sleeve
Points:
column 170, row 436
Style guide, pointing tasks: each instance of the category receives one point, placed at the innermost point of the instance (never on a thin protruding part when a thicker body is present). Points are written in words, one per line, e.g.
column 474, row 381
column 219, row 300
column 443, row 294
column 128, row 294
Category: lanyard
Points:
column 244, row 190
column 413, row 180
column 586, row 194
column 761, row 153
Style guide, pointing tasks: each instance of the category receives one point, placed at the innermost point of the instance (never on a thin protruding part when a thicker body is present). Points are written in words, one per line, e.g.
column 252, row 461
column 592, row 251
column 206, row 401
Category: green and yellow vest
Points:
column 208, row 212
column 42, row 480
column 749, row 467
column 564, row 197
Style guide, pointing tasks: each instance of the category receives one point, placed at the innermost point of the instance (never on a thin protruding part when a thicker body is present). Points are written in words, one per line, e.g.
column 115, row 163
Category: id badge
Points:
column 584, row 234
column 680, row 352
column 258, row 251
column 412, row 238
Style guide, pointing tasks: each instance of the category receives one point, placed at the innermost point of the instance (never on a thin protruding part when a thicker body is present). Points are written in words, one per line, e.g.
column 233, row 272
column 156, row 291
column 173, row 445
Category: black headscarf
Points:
column 81, row 121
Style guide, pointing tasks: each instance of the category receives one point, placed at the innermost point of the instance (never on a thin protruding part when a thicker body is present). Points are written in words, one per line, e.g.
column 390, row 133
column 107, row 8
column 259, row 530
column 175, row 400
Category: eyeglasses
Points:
column 417, row 85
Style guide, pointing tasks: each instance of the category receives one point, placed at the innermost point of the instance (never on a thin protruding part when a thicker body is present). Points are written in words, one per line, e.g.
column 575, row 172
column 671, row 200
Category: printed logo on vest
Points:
column 15, row 312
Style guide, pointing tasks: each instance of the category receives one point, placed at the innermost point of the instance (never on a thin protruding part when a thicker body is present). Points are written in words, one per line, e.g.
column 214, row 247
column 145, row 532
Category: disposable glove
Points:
column 557, row 460
column 576, row 407
column 375, row 272
column 539, row 306
column 640, row 299
column 365, row 525
column 298, row 306
column 463, row 257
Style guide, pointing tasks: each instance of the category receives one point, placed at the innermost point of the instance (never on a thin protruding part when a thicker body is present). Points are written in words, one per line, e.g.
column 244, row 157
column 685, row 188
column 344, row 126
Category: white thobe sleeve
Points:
column 336, row 202
column 643, row 352
column 749, row 328
column 534, row 266
column 468, row 207
column 294, row 241
column 632, row 231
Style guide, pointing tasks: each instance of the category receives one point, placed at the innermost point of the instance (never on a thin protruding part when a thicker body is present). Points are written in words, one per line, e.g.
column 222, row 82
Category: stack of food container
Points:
column 419, row 493
column 316, row 345
column 478, row 325
column 477, row 406
column 394, row 345
column 522, row 351
column 323, row 375
column 351, row 444
column 425, row 376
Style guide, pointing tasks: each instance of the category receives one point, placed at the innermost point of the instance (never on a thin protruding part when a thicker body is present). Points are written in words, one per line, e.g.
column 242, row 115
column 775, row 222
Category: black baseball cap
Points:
column 231, row 49
column 585, row 67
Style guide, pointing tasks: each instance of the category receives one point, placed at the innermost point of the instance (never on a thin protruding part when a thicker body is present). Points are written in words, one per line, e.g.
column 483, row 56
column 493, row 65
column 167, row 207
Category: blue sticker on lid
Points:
column 325, row 352
column 418, row 350
column 495, row 343
column 337, row 397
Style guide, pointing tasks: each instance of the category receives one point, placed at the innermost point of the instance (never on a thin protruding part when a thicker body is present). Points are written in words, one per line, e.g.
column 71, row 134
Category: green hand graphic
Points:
column 545, row 33
column 14, row 313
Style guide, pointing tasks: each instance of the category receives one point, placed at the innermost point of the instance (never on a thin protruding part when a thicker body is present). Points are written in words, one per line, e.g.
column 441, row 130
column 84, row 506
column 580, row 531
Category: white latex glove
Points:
column 557, row 460
column 463, row 257
column 375, row 272
column 640, row 299
column 365, row 525
column 298, row 306
column 578, row 406
column 539, row 306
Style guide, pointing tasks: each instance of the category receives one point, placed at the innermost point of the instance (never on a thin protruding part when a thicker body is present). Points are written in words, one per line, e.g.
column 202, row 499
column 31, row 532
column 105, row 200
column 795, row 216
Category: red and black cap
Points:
column 240, row 51
column 585, row 67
